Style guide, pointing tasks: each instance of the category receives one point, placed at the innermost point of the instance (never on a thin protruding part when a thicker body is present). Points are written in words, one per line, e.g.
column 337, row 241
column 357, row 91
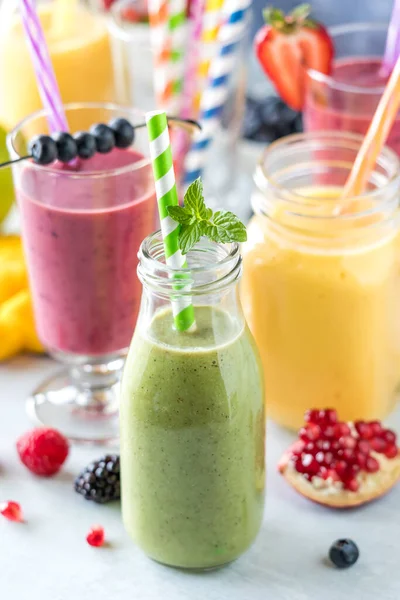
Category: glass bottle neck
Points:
column 210, row 284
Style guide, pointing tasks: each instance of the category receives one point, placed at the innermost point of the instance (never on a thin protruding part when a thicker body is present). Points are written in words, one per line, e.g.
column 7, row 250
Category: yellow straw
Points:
column 212, row 21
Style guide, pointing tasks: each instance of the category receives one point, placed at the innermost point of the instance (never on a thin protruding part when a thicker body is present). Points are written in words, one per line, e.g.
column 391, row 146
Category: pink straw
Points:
column 392, row 50
column 190, row 86
column 46, row 80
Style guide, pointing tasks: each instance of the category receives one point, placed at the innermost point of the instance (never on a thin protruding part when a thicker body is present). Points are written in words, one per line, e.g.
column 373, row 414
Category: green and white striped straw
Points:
column 167, row 195
column 178, row 32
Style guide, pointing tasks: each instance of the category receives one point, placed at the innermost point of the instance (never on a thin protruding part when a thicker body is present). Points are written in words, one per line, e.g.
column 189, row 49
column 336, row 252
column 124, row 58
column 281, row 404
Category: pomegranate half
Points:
column 339, row 464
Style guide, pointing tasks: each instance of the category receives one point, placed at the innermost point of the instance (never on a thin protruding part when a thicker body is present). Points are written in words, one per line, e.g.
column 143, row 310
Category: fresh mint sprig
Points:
column 196, row 220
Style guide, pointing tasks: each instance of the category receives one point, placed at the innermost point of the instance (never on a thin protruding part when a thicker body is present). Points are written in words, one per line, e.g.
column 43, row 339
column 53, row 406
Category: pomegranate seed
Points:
column 310, row 433
column 310, row 464
column 323, row 445
column 364, row 446
column 320, row 457
column 323, row 472
column 298, row 465
column 298, row 448
column 363, row 429
column 340, row 430
column 96, row 536
column 310, row 448
column 335, row 446
column 376, row 427
column 329, row 431
column 348, row 454
column 328, row 459
column 351, row 484
column 391, row 451
column 340, row 468
column 361, row 459
column 312, row 416
column 11, row 511
column 330, row 415
column 371, row 465
column 389, row 436
column 352, row 470
column 378, row 444
column 332, row 475
column 348, row 442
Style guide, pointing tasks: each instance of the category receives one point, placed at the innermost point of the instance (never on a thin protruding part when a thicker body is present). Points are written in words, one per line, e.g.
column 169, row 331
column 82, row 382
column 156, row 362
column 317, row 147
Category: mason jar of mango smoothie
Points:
column 321, row 289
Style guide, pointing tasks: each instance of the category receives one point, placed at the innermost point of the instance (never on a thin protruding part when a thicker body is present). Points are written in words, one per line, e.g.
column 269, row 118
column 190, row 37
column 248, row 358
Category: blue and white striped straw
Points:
column 217, row 89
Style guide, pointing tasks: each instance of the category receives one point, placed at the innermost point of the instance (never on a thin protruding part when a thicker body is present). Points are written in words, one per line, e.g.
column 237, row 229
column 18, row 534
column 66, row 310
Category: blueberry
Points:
column 251, row 119
column 66, row 146
column 298, row 124
column 43, row 149
column 274, row 111
column 104, row 136
column 344, row 553
column 124, row 132
column 86, row 144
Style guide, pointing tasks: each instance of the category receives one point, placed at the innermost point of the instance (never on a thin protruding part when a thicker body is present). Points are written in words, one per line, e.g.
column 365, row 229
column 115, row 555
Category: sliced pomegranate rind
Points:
column 332, row 493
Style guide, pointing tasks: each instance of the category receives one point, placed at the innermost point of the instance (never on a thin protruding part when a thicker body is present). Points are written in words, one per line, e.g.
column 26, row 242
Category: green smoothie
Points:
column 192, row 441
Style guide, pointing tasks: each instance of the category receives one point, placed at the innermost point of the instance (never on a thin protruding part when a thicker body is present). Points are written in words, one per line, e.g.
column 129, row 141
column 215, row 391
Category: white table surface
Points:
column 47, row 558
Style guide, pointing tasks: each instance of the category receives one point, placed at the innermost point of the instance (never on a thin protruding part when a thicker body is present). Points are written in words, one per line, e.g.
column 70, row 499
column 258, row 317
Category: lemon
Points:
column 6, row 181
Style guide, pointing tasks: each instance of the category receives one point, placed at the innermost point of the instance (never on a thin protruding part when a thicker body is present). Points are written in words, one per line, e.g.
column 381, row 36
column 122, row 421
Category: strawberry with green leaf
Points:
column 287, row 46
column 196, row 220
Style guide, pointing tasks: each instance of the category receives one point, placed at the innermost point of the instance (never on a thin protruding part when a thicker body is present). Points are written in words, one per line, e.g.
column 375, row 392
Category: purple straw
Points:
column 392, row 50
column 190, row 80
column 46, row 80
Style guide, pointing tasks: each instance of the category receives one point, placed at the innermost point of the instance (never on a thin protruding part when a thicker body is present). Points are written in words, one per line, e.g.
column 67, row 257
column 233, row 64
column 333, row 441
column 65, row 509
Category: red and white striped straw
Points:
column 46, row 80
column 161, row 46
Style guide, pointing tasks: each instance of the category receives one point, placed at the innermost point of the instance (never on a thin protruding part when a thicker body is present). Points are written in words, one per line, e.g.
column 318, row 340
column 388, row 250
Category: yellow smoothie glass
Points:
column 80, row 52
column 321, row 291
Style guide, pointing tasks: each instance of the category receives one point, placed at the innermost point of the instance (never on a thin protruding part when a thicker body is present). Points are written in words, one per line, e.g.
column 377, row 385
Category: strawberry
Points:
column 132, row 15
column 287, row 46
column 107, row 4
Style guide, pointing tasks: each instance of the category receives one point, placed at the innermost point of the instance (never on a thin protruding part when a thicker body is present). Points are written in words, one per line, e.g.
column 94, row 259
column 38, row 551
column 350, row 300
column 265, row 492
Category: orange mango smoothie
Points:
column 321, row 297
column 80, row 52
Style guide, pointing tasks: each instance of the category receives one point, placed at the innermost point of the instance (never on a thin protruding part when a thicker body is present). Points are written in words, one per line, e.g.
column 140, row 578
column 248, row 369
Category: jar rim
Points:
column 263, row 177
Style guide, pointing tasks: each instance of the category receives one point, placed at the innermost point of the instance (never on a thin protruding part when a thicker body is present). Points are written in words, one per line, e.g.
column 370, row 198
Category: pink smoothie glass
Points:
column 82, row 226
column 346, row 100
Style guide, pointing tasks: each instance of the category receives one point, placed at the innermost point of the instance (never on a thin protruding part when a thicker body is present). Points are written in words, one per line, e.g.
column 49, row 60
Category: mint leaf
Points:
column 189, row 235
column 225, row 227
column 180, row 214
column 196, row 220
column 194, row 200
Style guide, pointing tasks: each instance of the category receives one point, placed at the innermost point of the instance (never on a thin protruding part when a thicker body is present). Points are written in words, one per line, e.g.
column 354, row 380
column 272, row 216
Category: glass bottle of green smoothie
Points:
column 192, row 415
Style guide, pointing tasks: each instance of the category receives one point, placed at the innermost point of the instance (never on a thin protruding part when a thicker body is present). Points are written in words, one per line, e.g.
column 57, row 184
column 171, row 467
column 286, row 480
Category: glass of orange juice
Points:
column 321, row 290
column 80, row 51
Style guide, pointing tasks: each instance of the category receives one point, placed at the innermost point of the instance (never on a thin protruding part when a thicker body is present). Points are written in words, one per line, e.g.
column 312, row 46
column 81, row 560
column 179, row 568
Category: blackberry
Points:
column 100, row 481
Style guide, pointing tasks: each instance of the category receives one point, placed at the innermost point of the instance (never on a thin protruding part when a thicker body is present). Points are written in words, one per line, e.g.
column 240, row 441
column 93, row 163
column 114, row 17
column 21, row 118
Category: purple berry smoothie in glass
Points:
column 82, row 229
column 82, row 235
column 346, row 100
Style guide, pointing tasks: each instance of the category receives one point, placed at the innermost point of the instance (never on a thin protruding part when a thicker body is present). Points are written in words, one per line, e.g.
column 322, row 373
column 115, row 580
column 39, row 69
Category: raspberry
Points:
column 11, row 511
column 96, row 536
column 43, row 451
